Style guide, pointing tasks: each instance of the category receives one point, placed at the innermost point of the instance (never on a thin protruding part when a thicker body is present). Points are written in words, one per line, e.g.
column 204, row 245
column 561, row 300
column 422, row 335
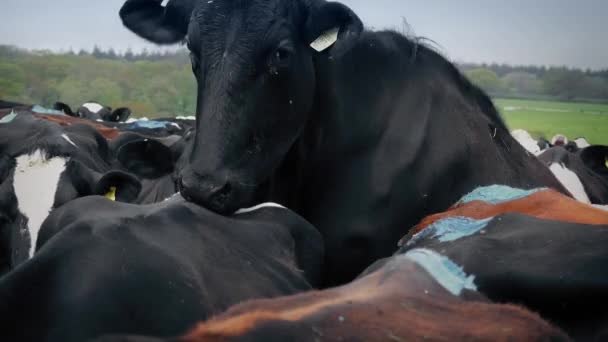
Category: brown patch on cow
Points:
column 398, row 302
column 107, row 132
column 546, row 204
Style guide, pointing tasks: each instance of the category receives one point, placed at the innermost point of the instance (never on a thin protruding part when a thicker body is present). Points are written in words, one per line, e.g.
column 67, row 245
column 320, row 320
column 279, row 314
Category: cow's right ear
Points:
column 330, row 23
column 162, row 25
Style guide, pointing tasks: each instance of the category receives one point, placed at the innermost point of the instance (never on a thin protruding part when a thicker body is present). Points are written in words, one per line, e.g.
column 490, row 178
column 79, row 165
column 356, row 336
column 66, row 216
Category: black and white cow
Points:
column 42, row 166
column 584, row 172
column 300, row 105
column 154, row 270
column 94, row 111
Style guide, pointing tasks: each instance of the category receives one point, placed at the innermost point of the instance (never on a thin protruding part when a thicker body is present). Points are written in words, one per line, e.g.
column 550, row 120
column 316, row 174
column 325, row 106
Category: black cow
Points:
column 152, row 270
column 95, row 111
column 362, row 133
column 584, row 173
column 42, row 166
column 155, row 161
column 554, row 268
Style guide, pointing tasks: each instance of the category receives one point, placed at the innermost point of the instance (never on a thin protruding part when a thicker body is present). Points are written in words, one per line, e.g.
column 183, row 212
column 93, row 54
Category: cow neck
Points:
column 35, row 183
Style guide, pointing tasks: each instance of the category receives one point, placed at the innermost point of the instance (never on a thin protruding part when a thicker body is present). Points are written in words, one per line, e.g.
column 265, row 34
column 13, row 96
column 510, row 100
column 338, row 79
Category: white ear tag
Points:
column 326, row 39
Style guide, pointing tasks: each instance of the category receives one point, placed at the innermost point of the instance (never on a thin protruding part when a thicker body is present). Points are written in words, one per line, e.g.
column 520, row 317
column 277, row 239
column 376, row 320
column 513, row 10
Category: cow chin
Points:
column 215, row 193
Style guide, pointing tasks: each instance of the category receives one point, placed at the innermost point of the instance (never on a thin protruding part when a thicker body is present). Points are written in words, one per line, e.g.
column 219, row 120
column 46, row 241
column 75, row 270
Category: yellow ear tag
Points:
column 606, row 162
column 111, row 194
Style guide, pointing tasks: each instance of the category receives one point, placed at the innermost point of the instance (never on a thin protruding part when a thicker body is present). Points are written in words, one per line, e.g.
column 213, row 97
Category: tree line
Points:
column 540, row 82
column 160, row 83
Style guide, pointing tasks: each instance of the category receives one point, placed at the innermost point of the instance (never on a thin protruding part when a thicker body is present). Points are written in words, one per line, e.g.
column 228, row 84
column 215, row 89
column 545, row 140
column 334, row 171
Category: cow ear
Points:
column 118, row 186
column 162, row 25
column 146, row 158
column 64, row 108
column 332, row 23
column 121, row 114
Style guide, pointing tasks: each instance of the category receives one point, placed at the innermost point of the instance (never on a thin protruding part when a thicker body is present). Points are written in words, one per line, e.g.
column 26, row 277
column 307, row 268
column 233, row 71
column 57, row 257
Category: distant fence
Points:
column 534, row 97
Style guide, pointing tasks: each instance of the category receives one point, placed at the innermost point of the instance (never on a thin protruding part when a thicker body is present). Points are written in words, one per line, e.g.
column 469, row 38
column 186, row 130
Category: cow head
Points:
column 255, row 68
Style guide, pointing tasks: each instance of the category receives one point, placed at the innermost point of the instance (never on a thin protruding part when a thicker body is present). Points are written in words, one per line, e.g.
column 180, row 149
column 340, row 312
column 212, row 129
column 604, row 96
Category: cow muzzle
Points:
column 212, row 191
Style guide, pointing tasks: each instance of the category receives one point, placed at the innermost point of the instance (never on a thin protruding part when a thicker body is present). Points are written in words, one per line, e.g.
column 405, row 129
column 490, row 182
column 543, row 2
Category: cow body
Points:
column 362, row 129
column 584, row 172
column 551, row 267
column 153, row 270
column 417, row 296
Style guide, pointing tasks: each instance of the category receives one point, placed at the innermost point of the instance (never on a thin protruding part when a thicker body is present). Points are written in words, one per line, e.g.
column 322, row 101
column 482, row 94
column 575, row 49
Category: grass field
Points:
column 542, row 118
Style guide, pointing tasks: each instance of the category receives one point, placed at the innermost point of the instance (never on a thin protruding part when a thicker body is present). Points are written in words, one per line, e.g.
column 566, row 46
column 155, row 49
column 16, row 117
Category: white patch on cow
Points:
column 35, row 183
column 67, row 138
column 570, row 181
column 164, row 3
column 259, row 206
column 186, row 117
column 93, row 107
column 176, row 125
column 325, row 40
column 581, row 142
column 601, row 207
column 525, row 139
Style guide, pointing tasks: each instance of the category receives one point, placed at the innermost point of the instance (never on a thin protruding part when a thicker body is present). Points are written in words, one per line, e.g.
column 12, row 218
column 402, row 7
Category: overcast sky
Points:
column 542, row 32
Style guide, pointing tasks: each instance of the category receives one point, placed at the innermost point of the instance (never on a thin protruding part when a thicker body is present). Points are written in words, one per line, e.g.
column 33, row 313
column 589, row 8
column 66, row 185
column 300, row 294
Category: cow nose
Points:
column 208, row 191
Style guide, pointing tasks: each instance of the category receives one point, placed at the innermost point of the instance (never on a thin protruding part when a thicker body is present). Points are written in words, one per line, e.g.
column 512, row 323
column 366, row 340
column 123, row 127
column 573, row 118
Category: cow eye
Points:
column 281, row 55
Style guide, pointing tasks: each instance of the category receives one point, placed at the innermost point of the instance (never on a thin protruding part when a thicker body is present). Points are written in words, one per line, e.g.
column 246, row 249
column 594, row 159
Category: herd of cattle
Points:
column 336, row 184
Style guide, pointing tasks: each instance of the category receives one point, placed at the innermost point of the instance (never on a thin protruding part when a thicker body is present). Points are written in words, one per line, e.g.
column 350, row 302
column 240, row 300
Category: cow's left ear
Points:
column 118, row 186
column 332, row 23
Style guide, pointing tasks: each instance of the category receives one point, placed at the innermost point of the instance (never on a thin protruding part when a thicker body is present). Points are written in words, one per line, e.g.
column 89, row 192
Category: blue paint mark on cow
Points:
column 42, row 110
column 450, row 229
column 150, row 124
column 8, row 118
column 449, row 275
column 495, row 194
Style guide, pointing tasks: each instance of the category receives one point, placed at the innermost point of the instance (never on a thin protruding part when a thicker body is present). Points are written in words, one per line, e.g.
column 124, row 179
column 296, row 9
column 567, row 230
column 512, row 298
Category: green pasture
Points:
column 545, row 118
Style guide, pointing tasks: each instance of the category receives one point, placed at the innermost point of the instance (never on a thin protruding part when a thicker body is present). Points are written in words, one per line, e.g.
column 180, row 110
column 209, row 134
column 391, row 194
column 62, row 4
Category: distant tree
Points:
column 97, row 52
column 111, row 54
column 520, row 82
column 129, row 56
column 82, row 52
column 486, row 79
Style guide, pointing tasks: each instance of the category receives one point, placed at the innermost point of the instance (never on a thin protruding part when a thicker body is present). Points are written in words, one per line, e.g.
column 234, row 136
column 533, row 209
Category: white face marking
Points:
column 67, row 138
column 36, row 180
column 93, row 107
column 259, row 206
column 175, row 125
column 570, row 181
column 525, row 140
